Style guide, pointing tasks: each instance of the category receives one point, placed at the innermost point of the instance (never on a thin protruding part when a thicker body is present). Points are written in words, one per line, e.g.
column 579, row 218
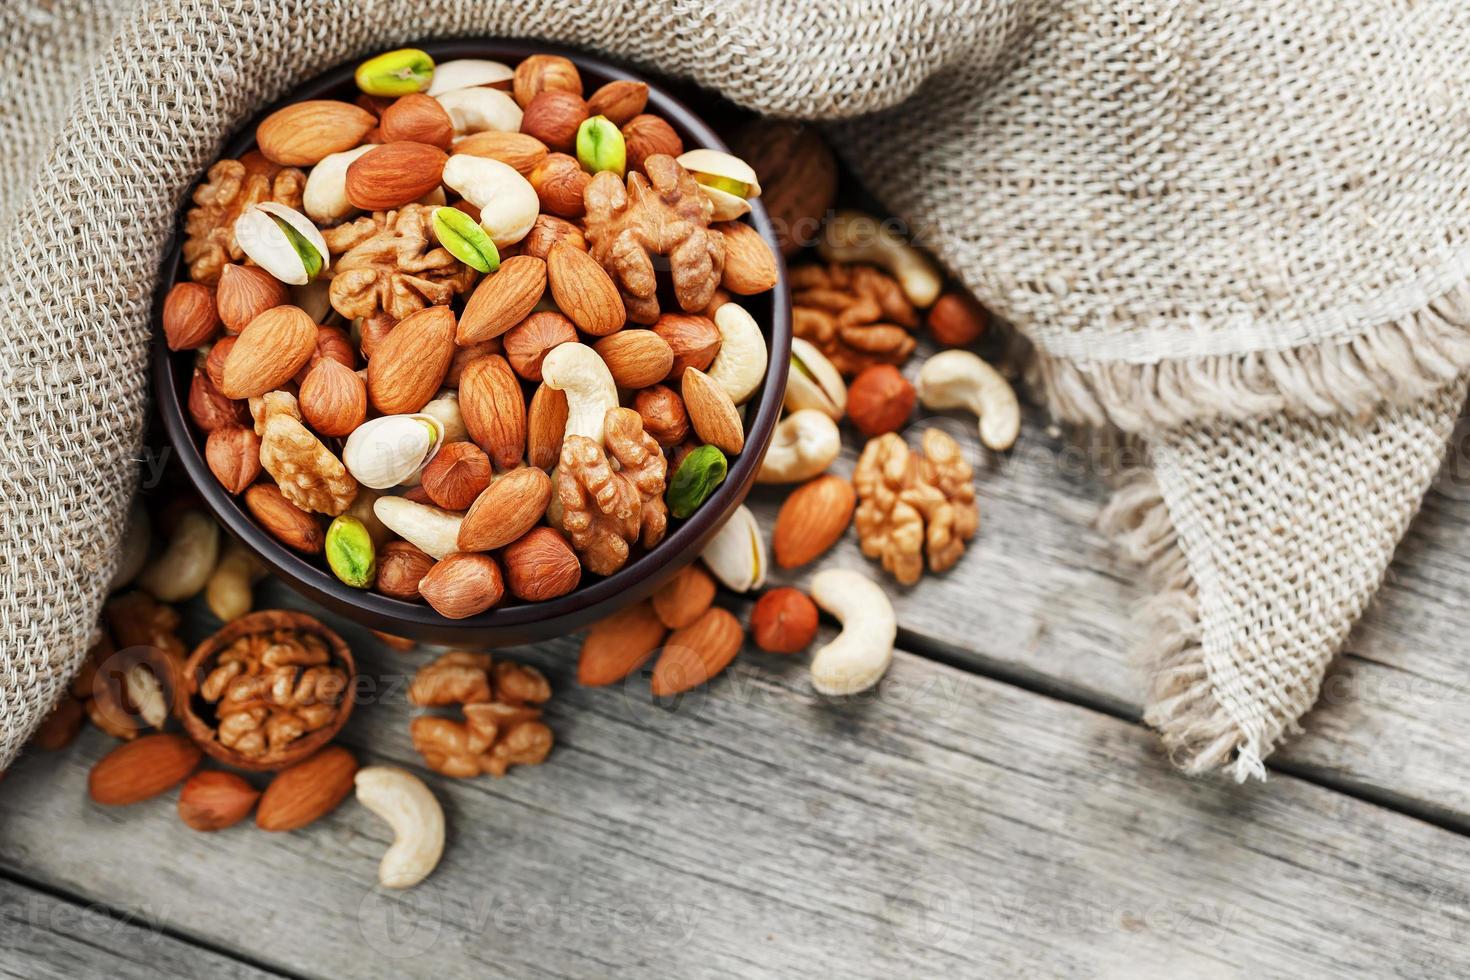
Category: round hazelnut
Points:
column 528, row 342
column 694, row 339
column 543, row 73
column 456, row 475
column 956, row 320
column 647, row 135
column 553, row 118
column 401, row 567
column 784, row 621
column 663, row 414
column 418, row 119
column 547, row 232
column 879, row 400
column 560, row 181
column 540, row 565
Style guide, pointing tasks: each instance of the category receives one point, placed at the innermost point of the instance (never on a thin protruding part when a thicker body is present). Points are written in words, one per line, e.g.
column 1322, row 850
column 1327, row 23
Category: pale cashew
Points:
column 228, row 591
column 461, row 73
column 479, row 110
column 959, row 379
column 410, row 810
column 861, row 653
column 508, row 203
column 805, row 444
column 445, row 408
column 181, row 571
column 325, row 197
column 740, row 364
column 851, row 236
column 433, row 530
column 133, row 553
column 737, row 555
column 813, row 382
column 579, row 371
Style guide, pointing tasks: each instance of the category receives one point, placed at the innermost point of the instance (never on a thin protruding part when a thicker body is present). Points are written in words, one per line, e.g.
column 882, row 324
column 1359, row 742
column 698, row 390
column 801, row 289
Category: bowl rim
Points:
column 523, row 621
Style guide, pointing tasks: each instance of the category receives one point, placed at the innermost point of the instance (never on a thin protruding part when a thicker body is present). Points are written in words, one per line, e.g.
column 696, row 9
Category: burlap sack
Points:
column 1237, row 229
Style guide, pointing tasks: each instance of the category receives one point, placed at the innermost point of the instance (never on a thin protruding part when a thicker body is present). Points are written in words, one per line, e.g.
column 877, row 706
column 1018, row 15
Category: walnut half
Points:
column 856, row 315
column 388, row 263
column 914, row 504
column 229, row 188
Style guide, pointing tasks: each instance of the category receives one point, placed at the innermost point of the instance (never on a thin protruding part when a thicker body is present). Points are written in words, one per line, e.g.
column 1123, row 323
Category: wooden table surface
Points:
column 995, row 809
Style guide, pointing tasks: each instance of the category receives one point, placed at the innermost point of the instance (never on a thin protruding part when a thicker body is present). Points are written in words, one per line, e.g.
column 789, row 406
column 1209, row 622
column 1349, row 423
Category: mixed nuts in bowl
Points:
column 475, row 343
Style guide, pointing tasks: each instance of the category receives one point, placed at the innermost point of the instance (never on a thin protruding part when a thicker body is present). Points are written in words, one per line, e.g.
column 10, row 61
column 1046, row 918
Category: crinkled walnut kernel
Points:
column 229, row 188
column 388, row 264
column 270, row 689
column 602, row 510
column 856, row 315
column 308, row 473
column 642, row 461
column 912, row 504
column 502, row 725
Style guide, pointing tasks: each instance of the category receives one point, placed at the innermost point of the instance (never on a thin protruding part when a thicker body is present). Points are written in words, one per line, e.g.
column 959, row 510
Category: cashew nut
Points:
column 805, row 444
column 813, row 382
column 325, row 197
column 227, row 592
column 429, row 528
column 737, row 555
column 415, row 817
column 133, row 553
column 959, row 379
column 180, row 572
column 478, row 110
column 445, row 408
column 740, row 364
column 579, row 371
column 508, row 203
column 468, row 73
column 851, row 236
column 861, row 653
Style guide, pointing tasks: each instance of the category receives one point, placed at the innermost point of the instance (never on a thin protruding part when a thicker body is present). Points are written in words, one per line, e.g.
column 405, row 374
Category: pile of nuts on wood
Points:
column 433, row 318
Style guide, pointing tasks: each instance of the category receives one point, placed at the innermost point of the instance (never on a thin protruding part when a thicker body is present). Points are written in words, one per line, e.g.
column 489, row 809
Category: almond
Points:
column 462, row 585
column 289, row 524
column 697, row 652
column 712, row 413
column 695, row 340
column 619, row 645
column 645, row 136
column 502, row 299
column 512, row 149
column 540, row 565
column 307, row 791
column 463, row 356
column 141, row 769
column 684, row 598
column 214, row 364
column 302, row 133
column 619, row 100
column 584, row 291
column 213, row 800
column 417, row 118
column 812, row 519
column 269, row 352
column 553, row 117
column 394, row 174
column 401, row 567
column 244, row 292
column 494, row 409
column 409, row 365
column 208, row 408
column 507, row 509
column 546, row 426
column 750, row 265
column 456, row 475
column 560, row 181
column 372, row 331
column 233, row 455
column 333, row 398
column 784, row 621
column 190, row 319
column 528, row 342
column 636, row 358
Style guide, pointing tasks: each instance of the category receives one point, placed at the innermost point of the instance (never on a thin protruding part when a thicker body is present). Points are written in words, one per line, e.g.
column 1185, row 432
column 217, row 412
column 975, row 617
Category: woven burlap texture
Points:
column 1236, row 229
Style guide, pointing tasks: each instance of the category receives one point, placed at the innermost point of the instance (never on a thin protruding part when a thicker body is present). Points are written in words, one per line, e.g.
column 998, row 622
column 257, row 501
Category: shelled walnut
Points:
column 387, row 263
column 914, row 504
column 612, row 498
column 229, row 188
column 502, row 724
column 856, row 315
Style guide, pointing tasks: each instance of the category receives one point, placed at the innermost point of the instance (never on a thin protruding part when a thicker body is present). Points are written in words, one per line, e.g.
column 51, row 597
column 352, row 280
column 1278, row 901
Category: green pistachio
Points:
column 350, row 552
column 396, row 73
column 696, row 478
column 464, row 239
column 727, row 184
column 600, row 146
column 310, row 257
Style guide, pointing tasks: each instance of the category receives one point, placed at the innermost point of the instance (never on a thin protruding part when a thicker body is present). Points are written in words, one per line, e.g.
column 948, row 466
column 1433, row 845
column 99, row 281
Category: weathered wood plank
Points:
column 948, row 824
column 47, row 937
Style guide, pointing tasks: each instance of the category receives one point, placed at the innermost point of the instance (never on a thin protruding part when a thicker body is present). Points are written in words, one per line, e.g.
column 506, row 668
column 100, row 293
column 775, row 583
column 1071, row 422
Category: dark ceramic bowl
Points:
column 514, row 622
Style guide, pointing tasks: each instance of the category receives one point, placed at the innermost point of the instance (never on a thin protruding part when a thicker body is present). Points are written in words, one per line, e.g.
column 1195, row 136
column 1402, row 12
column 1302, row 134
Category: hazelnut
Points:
column 695, row 340
column 559, row 181
column 417, row 118
column 548, row 232
column 784, row 621
column 540, row 565
column 401, row 566
column 372, row 330
column 663, row 414
column 456, row 475
column 333, row 399
column 956, row 320
column 464, row 355
column 233, row 455
column 209, row 408
column 543, row 73
column 189, row 316
column 619, row 101
column 553, row 118
column 879, row 400
column 528, row 342
column 333, row 344
column 648, row 135
column 463, row 584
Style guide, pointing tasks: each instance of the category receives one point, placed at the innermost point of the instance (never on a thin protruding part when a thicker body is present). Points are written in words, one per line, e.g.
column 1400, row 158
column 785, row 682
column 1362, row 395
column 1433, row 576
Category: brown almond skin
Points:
column 516, row 150
column 233, row 455
column 694, row 339
column 462, row 585
column 307, row 791
column 290, row 525
column 507, row 509
column 546, row 425
column 811, row 520
column 401, row 566
column 784, row 621
column 560, row 181
column 619, row 100
column 750, row 265
column 214, row 799
column 408, row 366
column 333, row 398
column 697, row 652
column 394, row 174
column 269, row 352
column 584, row 291
column 141, row 769
column 494, row 409
column 244, row 292
column 190, row 319
column 684, row 598
column 456, row 475
column 417, row 118
column 303, row 133
column 647, row 135
column 540, row 565
column 528, row 342
column 502, row 299
column 712, row 413
column 663, row 415
column 619, row 644
column 211, row 410
column 636, row 358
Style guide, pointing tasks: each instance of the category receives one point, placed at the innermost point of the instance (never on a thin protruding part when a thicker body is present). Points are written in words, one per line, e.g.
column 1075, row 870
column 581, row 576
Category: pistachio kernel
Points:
column 600, row 146
column 464, row 239
column 311, row 259
column 696, row 478
column 350, row 552
column 395, row 73
column 727, row 184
